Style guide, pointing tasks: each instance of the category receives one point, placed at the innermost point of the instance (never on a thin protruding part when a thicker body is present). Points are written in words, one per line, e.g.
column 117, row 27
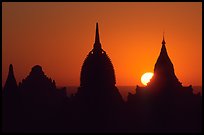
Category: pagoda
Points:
column 164, row 80
column 164, row 105
column 97, row 80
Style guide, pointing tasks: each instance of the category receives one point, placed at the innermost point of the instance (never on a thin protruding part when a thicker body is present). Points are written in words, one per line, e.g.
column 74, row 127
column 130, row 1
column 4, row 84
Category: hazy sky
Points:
column 58, row 36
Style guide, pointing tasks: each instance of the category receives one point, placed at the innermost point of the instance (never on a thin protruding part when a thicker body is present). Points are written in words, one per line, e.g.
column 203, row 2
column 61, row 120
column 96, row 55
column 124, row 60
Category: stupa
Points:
column 164, row 104
column 164, row 80
column 37, row 82
column 97, row 81
column 10, row 86
column 10, row 103
column 39, row 90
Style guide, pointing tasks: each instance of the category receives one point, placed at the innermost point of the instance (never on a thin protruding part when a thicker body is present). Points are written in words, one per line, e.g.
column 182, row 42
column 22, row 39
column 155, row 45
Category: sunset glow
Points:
column 58, row 36
column 146, row 78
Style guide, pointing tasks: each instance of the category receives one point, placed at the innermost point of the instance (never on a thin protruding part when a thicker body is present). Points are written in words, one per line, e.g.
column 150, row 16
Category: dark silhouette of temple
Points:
column 43, row 104
column 164, row 76
column 37, row 105
column 10, row 86
column 164, row 80
column 97, row 81
column 165, row 104
column 10, row 102
column 97, row 97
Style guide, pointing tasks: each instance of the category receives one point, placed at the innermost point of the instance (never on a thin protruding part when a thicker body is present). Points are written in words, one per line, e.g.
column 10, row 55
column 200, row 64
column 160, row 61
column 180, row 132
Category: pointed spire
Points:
column 97, row 39
column 11, row 81
column 163, row 57
column 11, row 70
column 163, row 49
column 97, row 44
column 163, row 41
column 164, row 68
column 11, row 73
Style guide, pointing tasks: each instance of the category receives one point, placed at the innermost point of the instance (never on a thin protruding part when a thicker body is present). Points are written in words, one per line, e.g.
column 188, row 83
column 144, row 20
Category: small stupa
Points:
column 10, row 103
column 40, row 88
column 36, row 81
column 10, row 86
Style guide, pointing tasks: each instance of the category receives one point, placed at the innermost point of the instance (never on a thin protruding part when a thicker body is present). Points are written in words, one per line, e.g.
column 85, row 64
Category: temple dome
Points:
column 37, row 80
column 97, row 69
column 37, row 70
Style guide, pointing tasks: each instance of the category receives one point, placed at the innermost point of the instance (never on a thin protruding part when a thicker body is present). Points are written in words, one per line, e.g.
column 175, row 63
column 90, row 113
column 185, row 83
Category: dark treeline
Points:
column 37, row 105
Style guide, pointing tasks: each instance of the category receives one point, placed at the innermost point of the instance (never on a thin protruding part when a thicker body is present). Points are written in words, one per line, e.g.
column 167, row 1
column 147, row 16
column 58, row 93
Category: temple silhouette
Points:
column 37, row 105
column 97, row 98
column 34, row 105
column 164, row 79
column 167, row 105
column 10, row 102
column 97, row 81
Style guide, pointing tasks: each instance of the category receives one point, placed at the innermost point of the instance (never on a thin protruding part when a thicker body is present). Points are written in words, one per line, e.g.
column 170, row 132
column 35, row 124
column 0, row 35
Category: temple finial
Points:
column 97, row 39
column 163, row 41
column 11, row 69
column 97, row 44
column 10, row 83
column 163, row 49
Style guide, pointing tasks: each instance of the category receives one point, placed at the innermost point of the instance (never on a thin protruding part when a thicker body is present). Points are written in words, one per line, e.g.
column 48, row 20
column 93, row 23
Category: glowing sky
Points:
column 58, row 36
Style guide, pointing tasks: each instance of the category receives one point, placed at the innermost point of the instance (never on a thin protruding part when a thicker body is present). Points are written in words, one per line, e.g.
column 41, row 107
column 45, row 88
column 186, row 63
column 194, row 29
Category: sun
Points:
column 146, row 77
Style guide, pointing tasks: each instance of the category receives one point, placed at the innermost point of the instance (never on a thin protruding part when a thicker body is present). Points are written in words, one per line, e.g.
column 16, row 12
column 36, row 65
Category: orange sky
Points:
column 58, row 36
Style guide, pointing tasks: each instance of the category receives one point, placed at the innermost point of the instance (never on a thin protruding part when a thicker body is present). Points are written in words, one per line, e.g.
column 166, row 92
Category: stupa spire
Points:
column 163, row 49
column 11, row 70
column 97, row 44
column 11, row 83
column 163, row 41
column 97, row 39
column 163, row 57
